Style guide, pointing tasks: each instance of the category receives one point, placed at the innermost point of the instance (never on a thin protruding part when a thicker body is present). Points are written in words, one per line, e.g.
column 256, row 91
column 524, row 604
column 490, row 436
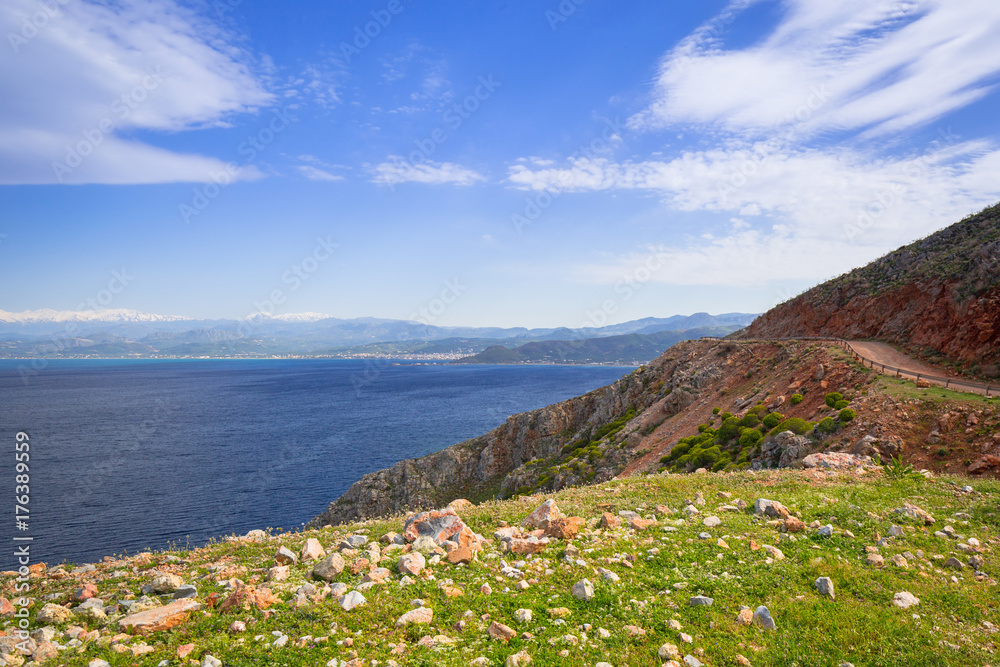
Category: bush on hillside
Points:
column 773, row 420
column 840, row 405
column 826, row 426
column 796, row 399
column 795, row 425
column 846, row 415
column 832, row 398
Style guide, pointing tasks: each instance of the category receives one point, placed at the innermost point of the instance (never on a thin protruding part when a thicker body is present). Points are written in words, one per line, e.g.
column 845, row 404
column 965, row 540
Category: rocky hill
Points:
column 938, row 297
column 625, row 349
column 729, row 404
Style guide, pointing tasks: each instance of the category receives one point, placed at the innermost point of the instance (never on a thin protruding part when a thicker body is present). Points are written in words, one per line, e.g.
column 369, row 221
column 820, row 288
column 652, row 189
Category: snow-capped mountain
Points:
column 112, row 315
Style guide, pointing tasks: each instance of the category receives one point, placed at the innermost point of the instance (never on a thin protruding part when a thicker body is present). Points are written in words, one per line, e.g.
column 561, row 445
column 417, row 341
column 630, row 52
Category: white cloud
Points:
column 808, row 208
column 317, row 174
column 828, row 208
column 397, row 170
column 93, row 72
column 876, row 65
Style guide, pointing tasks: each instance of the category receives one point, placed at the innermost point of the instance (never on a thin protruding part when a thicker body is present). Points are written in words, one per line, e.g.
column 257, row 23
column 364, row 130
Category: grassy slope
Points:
column 861, row 626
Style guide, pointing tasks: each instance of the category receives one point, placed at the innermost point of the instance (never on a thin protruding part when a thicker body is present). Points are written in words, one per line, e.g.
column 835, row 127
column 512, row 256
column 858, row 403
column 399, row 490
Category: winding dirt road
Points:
column 883, row 354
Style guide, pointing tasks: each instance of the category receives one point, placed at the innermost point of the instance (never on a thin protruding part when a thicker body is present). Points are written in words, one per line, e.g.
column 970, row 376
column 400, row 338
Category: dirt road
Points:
column 889, row 356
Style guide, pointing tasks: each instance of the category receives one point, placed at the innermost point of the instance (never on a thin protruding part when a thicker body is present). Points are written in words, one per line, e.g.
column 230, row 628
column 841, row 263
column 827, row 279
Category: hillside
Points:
column 629, row 349
column 762, row 569
column 938, row 298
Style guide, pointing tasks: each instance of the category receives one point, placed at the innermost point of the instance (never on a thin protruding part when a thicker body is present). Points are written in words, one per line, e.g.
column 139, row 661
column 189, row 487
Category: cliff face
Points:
column 928, row 315
column 500, row 462
column 942, row 293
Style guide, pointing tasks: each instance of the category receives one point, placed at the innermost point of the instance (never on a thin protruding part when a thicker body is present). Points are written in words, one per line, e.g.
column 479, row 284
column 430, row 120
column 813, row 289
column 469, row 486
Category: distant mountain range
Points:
column 129, row 333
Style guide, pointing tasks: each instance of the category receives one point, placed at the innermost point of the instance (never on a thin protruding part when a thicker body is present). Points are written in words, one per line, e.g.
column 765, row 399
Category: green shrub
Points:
column 749, row 438
column 706, row 458
column 760, row 410
column 827, row 425
column 750, row 420
column 680, row 449
column 795, row 425
column 703, row 427
column 840, row 405
column 846, row 415
column 796, row 399
column 716, row 411
column 832, row 398
column 725, row 415
column 729, row 430
column 773, row 420
column 723, row 461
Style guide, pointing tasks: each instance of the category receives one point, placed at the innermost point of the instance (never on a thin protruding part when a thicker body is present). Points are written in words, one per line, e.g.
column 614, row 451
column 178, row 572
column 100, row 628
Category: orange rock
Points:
column 638, row 523
column 565, row 528
column 441, row 526
column 160, row 618
column 794, row 525
column 459, row 555
column 609, row 520
column 245, row 597
column 184, row 650
column 84, row 592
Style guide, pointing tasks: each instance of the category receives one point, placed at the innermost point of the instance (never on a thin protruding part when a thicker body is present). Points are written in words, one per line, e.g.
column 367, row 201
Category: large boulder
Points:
column 159, row 618
column 441, row 526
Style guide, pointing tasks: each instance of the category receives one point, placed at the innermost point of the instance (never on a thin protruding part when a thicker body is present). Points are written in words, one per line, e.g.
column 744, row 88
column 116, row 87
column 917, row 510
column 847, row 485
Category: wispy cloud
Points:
column 98, row 71
column 397, row 170
column 881, row 66
column 861, row 71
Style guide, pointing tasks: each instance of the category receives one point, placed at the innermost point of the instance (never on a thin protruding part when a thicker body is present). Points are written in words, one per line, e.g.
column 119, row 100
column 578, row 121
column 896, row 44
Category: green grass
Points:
column 861, row 626
column 908, row 389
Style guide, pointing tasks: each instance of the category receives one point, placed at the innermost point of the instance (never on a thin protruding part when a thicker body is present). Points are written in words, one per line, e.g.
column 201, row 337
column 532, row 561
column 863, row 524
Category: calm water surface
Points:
column 130, row 455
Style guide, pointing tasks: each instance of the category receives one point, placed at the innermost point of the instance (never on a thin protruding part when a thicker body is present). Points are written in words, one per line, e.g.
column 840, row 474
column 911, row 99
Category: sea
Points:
column 134, row 455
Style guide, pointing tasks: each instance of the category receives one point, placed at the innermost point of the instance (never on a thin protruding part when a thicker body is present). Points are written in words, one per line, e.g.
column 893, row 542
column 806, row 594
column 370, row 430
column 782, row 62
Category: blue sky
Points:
column 537, row 164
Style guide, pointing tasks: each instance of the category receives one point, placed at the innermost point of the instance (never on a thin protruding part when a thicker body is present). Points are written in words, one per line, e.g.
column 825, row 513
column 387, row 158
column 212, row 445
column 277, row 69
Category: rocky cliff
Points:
column 506, row 460
column 938, row 297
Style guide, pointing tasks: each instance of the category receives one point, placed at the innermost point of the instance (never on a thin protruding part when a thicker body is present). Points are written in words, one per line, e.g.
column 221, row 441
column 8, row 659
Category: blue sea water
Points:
column 142, row 454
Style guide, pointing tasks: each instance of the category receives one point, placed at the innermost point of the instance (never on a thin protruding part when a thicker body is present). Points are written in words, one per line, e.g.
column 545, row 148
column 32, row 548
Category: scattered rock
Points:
column 351, row 600
column 825, row 587
column 185, row 591
column 700, row 601
column 312, row 550
column 771, row 508
column 329, row 568
column 159, row 618
column 519, row 659
column 583, row 590
column 501, row 632
column 915, row 513
column 669, row 652
column 565, row 528
column 284, row 556
column 165, row 583
column 545, row 513
column 461, row 555
column 441, row 526
column 905, row 600
column 418, row 616
column 53, row 613
column 412, row 563
column 711, row 521
column 762, row 618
